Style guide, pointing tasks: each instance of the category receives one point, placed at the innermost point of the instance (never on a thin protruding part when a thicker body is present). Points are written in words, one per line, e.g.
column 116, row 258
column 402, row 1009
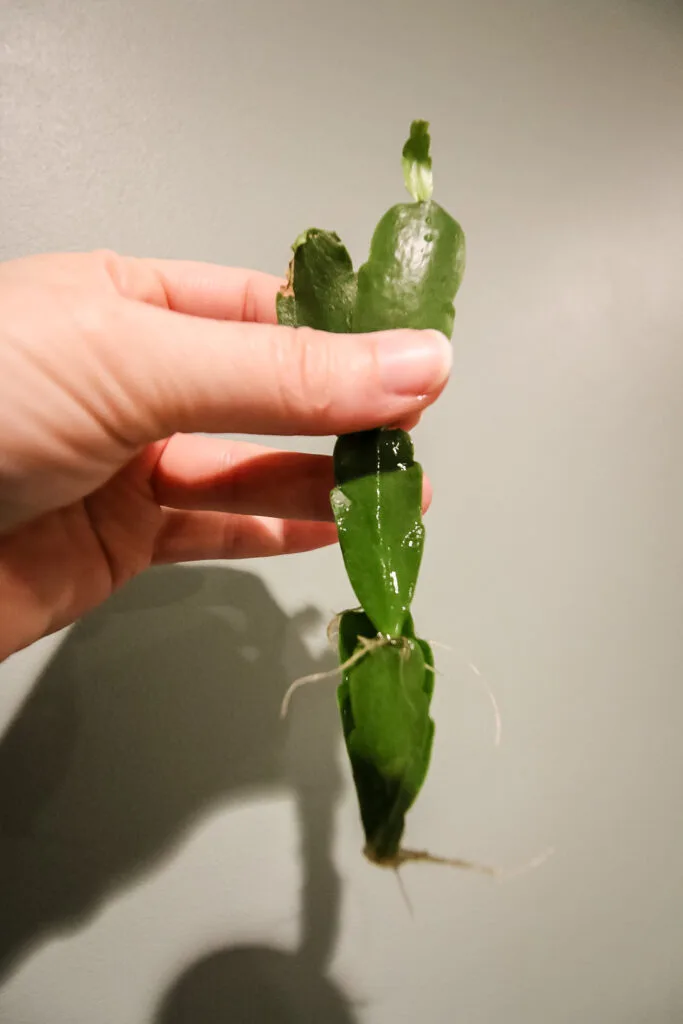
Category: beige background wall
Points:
column 169, row 852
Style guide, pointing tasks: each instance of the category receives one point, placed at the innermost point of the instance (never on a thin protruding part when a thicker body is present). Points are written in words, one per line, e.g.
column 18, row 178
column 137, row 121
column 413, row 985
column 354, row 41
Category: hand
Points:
column 109, row 366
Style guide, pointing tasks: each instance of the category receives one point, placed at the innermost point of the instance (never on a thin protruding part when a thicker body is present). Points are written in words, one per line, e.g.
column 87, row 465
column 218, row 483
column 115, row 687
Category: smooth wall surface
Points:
column 170, row 852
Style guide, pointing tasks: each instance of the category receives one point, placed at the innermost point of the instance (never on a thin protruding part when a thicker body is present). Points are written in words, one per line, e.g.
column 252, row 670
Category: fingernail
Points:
column 414, row 363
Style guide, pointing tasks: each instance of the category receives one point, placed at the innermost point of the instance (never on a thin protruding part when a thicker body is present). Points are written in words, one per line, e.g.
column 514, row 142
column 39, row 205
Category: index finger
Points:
column 197, row 289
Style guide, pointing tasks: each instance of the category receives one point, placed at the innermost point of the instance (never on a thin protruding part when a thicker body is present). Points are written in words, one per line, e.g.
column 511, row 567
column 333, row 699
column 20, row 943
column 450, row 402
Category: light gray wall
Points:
column 171, row 853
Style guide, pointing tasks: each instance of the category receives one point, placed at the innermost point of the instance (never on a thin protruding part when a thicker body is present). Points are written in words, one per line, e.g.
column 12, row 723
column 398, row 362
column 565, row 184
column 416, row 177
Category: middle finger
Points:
column 217, row 474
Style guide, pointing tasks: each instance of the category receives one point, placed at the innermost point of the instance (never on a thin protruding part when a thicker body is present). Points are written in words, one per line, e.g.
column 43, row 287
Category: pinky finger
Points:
column 189, row 536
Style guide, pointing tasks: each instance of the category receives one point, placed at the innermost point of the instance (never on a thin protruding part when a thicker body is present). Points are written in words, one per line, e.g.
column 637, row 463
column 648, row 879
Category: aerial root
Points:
column 499, row 874
column 366, row 646
column 481, row 679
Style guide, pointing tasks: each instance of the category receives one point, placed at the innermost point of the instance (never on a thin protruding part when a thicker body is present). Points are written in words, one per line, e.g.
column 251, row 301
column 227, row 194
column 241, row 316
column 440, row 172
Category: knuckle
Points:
column 111, row 268
column 306, row 377
column 111, row 382
column 249, row 301
column 132, row 278
column 228, row 543
column 102, row 269
column 96, row 319
column 224, row 489
column 107, row 260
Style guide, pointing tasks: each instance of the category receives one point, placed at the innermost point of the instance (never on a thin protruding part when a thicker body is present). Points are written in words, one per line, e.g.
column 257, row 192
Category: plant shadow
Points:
column 158, row 707
column 253, row 985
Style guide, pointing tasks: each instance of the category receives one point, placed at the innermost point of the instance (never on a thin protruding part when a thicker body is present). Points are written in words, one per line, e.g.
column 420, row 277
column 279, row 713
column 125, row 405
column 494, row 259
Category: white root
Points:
column 404, row 893
column 366, row 645
column 497, row 717
column 499, row 874
column 530, row 865
column 333, row 630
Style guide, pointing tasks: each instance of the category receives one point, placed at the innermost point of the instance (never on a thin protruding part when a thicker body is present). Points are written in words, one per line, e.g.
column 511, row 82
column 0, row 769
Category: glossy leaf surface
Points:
column 416, row 263
column 377, row 508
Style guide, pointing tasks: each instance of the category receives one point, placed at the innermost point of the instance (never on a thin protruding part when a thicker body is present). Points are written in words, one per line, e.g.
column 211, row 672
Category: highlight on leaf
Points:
column 417, row 163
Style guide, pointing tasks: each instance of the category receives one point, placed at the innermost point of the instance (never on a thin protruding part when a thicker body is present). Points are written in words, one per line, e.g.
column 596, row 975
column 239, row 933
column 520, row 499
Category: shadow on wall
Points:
column 158, row 706
column 252, row 985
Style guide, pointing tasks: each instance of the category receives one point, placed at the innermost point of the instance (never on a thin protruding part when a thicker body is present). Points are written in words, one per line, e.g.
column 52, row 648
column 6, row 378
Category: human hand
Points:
column 109, row 366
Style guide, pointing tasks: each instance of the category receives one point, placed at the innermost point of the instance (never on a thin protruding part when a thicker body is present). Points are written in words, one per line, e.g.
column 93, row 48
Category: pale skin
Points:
column 111, row 369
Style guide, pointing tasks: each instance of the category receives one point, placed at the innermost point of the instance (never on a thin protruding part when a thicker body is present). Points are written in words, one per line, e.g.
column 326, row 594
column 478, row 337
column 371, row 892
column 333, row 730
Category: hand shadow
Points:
column 159, row 706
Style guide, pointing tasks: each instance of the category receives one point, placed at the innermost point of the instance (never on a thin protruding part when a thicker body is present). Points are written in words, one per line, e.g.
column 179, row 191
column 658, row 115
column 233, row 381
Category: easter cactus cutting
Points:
column 410, row 280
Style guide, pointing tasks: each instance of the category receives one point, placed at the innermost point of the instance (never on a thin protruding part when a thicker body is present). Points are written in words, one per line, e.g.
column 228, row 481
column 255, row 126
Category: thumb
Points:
column 190, row 374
